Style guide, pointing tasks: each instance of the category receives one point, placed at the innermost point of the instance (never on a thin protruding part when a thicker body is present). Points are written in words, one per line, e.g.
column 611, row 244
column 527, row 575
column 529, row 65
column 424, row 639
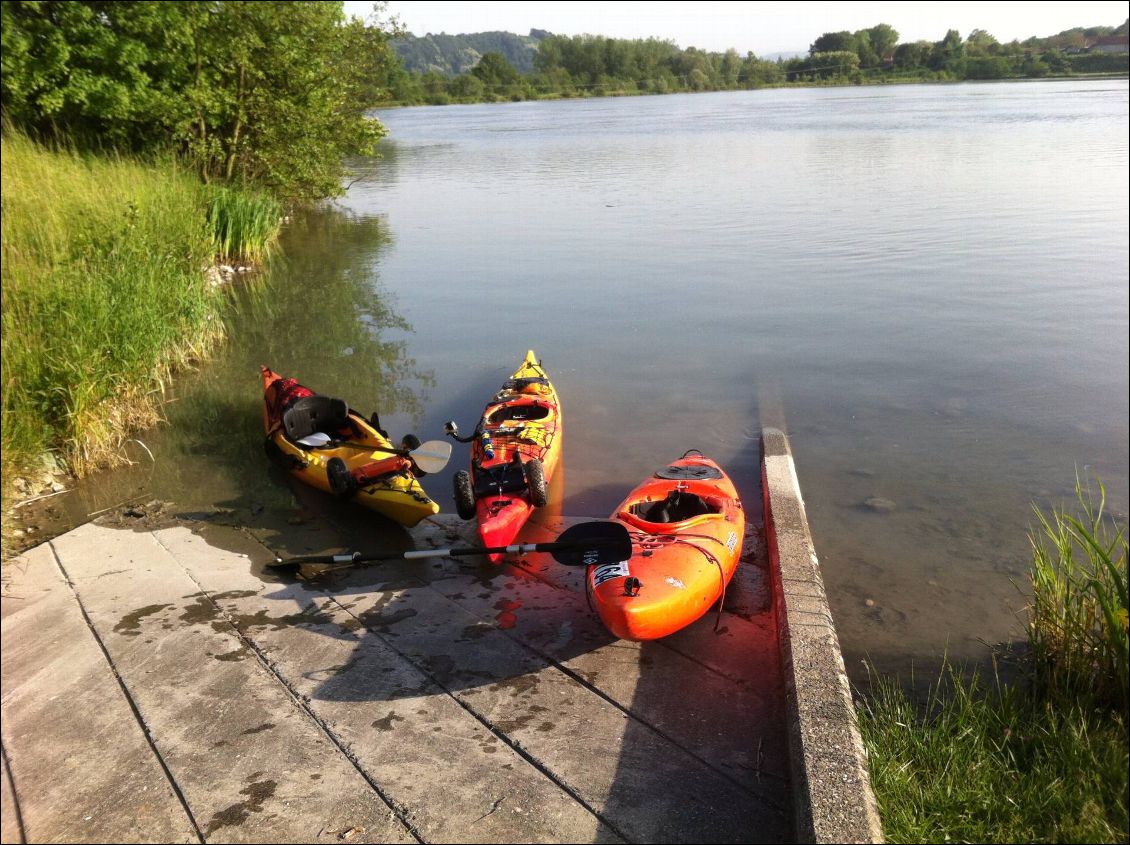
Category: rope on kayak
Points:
column 643, row 539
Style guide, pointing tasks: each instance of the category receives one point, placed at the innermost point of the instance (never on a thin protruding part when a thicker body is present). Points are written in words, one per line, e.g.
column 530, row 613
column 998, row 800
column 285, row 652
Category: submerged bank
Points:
column 106, row 293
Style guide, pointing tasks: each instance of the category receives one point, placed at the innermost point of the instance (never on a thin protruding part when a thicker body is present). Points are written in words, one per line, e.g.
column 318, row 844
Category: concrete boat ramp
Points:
column 161, row 684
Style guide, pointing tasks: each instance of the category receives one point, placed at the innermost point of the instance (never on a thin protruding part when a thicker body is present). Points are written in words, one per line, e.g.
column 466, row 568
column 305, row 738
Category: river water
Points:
column 926, row 285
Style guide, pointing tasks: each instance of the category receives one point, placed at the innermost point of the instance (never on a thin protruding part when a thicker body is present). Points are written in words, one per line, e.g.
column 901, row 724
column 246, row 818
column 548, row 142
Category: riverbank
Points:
column 529, row 93
column 1043, row 758
column 112, row 281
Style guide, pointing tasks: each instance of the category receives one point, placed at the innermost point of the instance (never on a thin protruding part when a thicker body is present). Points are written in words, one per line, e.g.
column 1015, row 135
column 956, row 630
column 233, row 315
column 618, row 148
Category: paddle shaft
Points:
column 358, row 557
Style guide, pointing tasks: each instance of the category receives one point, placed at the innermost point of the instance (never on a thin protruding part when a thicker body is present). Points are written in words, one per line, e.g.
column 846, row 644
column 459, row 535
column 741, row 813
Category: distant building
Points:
column 1110, row 44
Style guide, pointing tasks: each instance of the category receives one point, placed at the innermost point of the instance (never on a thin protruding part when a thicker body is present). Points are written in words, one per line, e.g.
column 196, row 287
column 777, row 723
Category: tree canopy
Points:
column 268, row 93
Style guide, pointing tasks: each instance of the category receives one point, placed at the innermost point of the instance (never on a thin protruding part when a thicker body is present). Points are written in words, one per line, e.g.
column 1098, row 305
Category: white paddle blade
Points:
column 431, row 456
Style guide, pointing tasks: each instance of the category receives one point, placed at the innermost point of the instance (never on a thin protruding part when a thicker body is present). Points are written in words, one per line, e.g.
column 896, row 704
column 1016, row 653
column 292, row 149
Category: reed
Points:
column 1077, row 619
column 244, row 223
column 104, row 297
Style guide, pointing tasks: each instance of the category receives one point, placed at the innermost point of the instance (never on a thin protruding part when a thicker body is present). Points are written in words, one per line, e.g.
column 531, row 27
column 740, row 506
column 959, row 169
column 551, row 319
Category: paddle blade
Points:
column 593, row 543
column 431, row 456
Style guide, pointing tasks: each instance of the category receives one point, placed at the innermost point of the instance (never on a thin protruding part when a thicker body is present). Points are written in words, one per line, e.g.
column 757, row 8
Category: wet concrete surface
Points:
column 161, row 684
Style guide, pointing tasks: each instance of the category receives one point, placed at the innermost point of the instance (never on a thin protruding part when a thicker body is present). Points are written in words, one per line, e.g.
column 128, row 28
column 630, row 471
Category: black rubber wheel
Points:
column 410, row 442
column 341, row 479
column 535, row 482
column 464, row 495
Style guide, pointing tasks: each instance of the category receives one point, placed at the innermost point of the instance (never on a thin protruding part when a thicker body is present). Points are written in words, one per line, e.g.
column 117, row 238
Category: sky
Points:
column 763, row 27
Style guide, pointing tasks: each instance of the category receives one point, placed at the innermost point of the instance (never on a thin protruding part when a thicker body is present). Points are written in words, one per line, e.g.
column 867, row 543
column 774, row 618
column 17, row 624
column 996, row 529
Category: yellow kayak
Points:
column 323, row 443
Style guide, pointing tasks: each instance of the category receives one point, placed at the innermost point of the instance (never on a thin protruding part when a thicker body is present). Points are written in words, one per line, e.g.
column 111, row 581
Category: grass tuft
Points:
column 104, row 297
column 244, row 224
column 1077, row 621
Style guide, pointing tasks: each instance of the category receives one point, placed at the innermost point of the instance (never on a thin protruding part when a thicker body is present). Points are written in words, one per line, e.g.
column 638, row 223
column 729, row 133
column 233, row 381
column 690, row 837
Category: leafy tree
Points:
column 913, row 54
column 981, row 43
column 831, row 42
column 730, row 68
column 493, row 70
column 267, row 93
column 883, row 38
column 948, row 53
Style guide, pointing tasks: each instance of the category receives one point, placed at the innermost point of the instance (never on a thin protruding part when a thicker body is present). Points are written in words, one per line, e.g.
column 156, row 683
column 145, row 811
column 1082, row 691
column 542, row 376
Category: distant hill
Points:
column 452, row 55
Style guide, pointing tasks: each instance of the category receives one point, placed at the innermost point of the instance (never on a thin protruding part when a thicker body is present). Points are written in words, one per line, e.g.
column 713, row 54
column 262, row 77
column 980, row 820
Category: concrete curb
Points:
column 833, row 801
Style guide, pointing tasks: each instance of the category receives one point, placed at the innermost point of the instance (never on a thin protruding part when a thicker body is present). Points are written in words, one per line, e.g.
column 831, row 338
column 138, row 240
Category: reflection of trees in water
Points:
column 321, row 316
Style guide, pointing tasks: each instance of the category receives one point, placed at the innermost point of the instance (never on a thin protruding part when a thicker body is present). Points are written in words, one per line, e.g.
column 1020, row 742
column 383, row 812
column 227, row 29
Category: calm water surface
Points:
column 926, row 284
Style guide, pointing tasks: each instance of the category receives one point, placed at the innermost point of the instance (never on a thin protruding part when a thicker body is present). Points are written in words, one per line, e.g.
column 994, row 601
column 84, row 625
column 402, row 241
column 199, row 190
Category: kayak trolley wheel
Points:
column 341, row 479
column 535, row 482
column 410, row 442
column 464, row 495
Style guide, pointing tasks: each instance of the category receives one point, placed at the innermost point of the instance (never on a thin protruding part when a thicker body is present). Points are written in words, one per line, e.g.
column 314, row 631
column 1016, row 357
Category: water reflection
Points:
column 320, row 314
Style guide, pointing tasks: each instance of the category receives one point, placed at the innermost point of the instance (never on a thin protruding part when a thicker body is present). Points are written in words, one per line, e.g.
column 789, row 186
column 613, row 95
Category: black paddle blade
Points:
column 593, row 543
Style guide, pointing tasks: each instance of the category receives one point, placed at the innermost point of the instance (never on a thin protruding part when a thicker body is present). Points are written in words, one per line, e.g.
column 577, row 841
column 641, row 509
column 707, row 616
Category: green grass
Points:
column 989, row 763
column 104, row 296
column 244, row 224
column 1077, row 623
column 1044, row 760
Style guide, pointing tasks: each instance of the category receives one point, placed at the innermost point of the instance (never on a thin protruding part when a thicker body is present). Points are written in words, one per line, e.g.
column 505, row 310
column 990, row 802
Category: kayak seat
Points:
column 676, row 507
column 511, row 413
column 316, row 414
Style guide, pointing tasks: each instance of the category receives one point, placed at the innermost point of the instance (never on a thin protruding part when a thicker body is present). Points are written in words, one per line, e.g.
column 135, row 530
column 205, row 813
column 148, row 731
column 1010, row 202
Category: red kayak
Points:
column 514, row 453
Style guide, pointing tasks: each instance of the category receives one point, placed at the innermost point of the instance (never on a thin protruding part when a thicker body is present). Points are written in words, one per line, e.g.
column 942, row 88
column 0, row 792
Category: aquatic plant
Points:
column 1077, row 618
column 244, row 224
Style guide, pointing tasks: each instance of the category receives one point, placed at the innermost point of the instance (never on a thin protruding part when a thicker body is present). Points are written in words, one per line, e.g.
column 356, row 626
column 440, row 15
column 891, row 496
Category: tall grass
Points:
column 1042, row 761
column 244, row 223
column 1077, row 622
column 104, row 296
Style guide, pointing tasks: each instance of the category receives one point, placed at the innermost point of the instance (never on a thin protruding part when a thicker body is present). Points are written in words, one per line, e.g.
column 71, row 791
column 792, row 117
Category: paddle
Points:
column 583, row 544
column 431, row 456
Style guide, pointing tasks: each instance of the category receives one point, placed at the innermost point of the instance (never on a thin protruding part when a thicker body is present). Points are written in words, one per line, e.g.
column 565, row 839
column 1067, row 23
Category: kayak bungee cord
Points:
column 649, row 542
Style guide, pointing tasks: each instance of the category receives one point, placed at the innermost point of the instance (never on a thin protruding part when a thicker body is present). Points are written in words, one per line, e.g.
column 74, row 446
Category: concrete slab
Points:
column 433, row 759
column 81, row 767
column 251, row 763
column 442, row 700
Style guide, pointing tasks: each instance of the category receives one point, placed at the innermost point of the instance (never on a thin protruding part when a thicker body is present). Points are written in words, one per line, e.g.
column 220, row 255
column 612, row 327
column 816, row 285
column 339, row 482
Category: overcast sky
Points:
column 763, row 27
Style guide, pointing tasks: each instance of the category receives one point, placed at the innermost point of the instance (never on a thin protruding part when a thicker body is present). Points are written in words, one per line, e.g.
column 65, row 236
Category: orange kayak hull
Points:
column 682, row 559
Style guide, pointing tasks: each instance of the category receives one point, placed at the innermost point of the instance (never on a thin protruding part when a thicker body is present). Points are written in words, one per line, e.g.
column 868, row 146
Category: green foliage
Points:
column 270, row 94
column 493, row 70
column 588, row 65
column 988, row 763
column 104, row 295
column 1100, row 63
column 1077, row 625
column 244, row 224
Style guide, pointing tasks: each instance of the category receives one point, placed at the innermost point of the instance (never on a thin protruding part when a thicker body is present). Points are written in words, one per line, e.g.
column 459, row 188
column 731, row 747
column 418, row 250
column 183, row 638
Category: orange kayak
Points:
column 355, row 462
column 687, row 525
column 514, row 454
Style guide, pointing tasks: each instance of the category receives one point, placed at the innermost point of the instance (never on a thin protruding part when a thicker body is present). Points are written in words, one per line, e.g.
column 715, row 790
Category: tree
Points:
column 493, row 70
column 272, row 94
column 981, row 43
column 834, row 42
column 913, row 55
column 948, row 53
column 883, row 38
